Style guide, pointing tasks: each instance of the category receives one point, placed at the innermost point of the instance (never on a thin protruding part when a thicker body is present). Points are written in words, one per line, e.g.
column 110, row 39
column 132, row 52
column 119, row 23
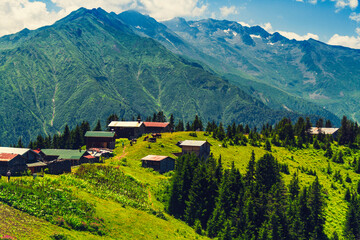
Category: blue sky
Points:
column 335, row 22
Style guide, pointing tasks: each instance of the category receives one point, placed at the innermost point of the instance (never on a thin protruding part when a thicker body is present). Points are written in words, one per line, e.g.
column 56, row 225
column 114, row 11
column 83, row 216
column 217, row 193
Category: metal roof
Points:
column 20, row 151
column 154, row 158
column 64, row 153
column 6, row 157
column 194, row 143
column 327, row 131
column 99, row 134
column 125, row 124
column 156, row 124
column 36, row 164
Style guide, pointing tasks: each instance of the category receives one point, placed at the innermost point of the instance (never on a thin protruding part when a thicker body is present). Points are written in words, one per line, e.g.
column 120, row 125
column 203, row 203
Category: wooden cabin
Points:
column 156, row 127
column 76, row 157
column 36, row 167
column 199, row 148
column 100, row 139
column 30, row 155
column 16, row 163
column 161, row 164
column 127, row 129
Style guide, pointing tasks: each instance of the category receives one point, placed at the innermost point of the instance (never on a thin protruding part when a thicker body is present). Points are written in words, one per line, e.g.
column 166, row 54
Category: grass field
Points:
column 124, row 222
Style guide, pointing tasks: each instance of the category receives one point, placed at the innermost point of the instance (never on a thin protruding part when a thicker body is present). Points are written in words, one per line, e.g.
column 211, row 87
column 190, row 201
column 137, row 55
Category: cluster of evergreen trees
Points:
column 352, row 223
column 69, row 139
column 227, row 205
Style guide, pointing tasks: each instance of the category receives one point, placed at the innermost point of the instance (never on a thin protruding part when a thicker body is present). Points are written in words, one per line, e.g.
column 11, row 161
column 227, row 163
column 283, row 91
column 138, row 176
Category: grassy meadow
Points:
column 137, row 213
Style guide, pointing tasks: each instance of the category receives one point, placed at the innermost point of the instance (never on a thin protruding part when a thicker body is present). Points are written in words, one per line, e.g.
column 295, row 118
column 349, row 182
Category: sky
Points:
column 336, row 22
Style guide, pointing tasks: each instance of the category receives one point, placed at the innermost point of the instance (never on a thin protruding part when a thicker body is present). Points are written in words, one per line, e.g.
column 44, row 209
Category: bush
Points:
column 59, row 236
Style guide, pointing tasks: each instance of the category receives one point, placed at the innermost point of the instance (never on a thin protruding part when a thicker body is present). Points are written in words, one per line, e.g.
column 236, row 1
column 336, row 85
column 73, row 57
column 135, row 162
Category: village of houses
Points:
column 99, row 145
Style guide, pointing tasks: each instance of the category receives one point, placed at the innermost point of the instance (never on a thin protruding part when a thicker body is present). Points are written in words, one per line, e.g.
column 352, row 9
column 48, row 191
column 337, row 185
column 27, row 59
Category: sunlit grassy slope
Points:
column 124, row 222
column 310, row 159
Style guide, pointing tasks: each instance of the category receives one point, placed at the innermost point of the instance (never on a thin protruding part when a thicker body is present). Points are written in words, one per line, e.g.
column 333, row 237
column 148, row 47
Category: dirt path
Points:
column 123, row 154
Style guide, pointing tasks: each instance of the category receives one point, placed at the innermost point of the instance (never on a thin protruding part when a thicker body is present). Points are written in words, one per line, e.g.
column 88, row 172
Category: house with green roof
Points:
column 75, row 157
column 100, row 139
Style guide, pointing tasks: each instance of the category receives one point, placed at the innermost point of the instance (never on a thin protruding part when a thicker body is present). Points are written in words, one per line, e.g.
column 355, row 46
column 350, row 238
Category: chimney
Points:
column 139, row 120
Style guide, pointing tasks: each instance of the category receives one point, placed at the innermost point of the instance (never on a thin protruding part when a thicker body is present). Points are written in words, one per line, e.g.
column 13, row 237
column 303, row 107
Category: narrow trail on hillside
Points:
column 123, row 153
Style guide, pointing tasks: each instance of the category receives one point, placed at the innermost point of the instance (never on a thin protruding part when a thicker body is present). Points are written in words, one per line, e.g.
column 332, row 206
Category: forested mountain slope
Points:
column 222, row 57
column 90, row 65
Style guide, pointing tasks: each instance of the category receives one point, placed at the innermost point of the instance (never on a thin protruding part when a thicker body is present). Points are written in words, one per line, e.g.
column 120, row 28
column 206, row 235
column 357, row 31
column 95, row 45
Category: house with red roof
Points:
column 14, row 162
column 156, row 127
column 159, row 163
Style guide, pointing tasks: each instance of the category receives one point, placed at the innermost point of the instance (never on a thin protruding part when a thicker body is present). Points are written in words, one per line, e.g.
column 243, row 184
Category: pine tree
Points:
column 98, row 126
column 172, row 122
column 267, row 145
column 250, row 170
column 76, row 138
column 267, row 172
column 317, row 208
column 220, row 134
column 66, row 138
column 20, row 144
column 180, row 126
column 352, row 223
column 294, row 188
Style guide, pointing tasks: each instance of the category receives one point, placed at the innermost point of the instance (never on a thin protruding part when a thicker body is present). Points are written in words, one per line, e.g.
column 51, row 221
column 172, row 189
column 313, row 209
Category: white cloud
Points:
column 292, row 35
column 357, row 30
column 244, row 24
column 313, row 1
column 167, row 9
column 16, row 15
column 347, row 41
column 226, row 11
column 340, row 4
column 267, row 26
column 355, row 16
column 300, row 0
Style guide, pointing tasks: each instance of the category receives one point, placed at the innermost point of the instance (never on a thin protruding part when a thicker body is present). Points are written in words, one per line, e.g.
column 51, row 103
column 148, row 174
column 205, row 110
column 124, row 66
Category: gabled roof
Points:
column 64, row 153
column 6, row 157
column 99, row 134
column 156, row 124
column 315, row 130
column 20, row 151
column 156, row 158
column 193, row 143
column 36, row 164
column 125, row 124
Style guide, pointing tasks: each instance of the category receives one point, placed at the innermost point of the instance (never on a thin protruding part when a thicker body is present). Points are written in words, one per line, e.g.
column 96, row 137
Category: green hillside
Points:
column 139, row 212
column 90, row 65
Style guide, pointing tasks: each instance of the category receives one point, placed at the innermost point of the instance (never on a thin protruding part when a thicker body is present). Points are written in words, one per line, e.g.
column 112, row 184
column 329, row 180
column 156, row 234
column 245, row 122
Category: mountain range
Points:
column 282, row 73
column 91, row 64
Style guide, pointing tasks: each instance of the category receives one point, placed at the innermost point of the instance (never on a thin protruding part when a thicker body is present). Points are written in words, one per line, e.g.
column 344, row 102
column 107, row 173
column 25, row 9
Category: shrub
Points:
column 59, row 236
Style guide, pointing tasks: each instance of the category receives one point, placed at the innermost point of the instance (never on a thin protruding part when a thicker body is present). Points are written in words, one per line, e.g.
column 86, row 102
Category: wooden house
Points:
column 325, row 131
column 36, row 167
column 127, row 129
column 199, row 148
column 30, row 155
column 14, row 162
column 161, row 164
column 100, row 139
column 156, row 127
column 76, row 157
